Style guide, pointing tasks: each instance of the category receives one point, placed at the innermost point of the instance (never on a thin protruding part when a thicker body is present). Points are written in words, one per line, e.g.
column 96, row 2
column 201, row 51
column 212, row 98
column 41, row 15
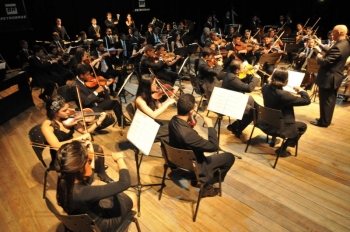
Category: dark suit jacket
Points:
column 127, row 46
column 146, row 64
column 23, row 56
column 88, row 98
column 62, row 32
column 282, row 100
column 107, row 42
column 206, row 24
column 40, row 70
column 204, row 71
column 92, row 31
column 111, row 25
column 330, row 73
column 232, row 82
column 182, row 136
column 94, row 53
column 150, row 38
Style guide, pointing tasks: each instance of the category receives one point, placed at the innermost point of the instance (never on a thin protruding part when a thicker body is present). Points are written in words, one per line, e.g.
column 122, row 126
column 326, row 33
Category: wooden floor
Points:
column 310, row 192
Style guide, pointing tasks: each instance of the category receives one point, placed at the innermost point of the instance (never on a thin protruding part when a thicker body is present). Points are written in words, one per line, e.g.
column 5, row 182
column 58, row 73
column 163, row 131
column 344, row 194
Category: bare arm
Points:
column 142, row 105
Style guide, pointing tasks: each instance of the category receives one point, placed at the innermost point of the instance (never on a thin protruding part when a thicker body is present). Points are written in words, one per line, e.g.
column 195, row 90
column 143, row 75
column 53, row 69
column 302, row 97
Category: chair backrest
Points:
column 36, row 136
column 74, row 223
column 65, row 92
column 195, row 84
column 270, row 117
column 184, row 159
column 130, row 108
column 130, row 217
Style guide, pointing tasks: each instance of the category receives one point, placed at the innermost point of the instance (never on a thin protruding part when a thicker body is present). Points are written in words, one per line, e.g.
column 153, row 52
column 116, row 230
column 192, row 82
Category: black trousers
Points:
column 291, row 142
column 247, row 118
column 327, row 104
column 167, row 76
column 109, row 104
column 224, row 161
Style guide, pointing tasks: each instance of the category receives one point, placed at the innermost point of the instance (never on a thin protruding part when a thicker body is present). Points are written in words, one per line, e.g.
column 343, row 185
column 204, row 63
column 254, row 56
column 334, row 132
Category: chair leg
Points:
column 267, row 138
column 250, row 137
column 137, row 224
column 279, row 153
column 163, row 180
column 296, row 148
column 199, row 104
column 220, row 189
column 198, row 201
column 45, row 180
column 206, row 116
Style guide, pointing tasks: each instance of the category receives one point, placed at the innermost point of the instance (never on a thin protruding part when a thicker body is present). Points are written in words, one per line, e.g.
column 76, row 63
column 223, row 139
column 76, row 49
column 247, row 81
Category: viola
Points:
column 76, row 116
column 93, row 82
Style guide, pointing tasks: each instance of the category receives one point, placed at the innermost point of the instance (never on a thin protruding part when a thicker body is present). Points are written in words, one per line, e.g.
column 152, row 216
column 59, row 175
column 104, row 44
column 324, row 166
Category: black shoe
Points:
column 43, row 97
column 234, row 130
column 105, row 179
column 113, row 94
column 125, row 123
column 272, row 143
column 210, row 192
column 283, row 153
column 106, row 167
column 317, row 124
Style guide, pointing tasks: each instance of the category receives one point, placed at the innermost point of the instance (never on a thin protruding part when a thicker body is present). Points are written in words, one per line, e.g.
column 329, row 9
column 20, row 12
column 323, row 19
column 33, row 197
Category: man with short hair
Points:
column 61, row 30
column 182, row 136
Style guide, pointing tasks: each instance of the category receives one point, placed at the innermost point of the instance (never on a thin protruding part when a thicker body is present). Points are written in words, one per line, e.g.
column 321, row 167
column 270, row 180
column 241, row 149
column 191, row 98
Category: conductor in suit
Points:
column 277, row 98
column 61, row 30
column 330, row 74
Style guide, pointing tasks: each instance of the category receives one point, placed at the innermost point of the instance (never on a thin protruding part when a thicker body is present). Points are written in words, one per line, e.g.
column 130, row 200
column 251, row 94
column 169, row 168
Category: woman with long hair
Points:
column 129, row 21
column 106, row 204
column 56, row 133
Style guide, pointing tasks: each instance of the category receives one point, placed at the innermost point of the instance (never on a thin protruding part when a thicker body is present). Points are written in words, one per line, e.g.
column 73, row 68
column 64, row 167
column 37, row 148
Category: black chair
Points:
column 84, row 223
column 270, row 121
column 130, row 108
column 185, row 160
column 197, row 89
column 65, row 92
column 35, row 136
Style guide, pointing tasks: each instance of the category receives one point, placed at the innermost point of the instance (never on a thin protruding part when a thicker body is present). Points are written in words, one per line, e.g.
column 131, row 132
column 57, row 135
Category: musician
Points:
column 151, row 106
column 61, row 30
column 208, row 75
column 230, row 33
column 177, row 43
column 40, row 70
column 112, row 23
column 231, row 81
column 168, row 30
column 288, row 21
column 94, row 30
column 227, row 19
column 58, row 42
column 164, row 41
column 125, row 46
column 205, row 35
column 182, row 136
column 135, row 38
column 254, row 24
column 96, row 98
column 271, row 33
column 109, row 41
column 300, row 30
column 129, row 21
column 330, row 74
column 24, row 53
column 107, row 204
column 304, row 53
column 130, row 34
column 147, row 61
column 56, row 133
column 277, row 98
column 209, row 23
column 57, row 69
column 237, row 46
column 150, row 36
column 83, row 41
column 105, row 68
column 137, row 52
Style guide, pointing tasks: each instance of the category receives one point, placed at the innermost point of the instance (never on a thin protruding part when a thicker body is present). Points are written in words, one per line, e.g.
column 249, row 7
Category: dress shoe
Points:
column 284, row 153
column 317, row 124
column 125, row 123
column 105, row 178
column 211, row 192
column 43, row 97
column 272, row 143
column 234, row 130
column 106, row 167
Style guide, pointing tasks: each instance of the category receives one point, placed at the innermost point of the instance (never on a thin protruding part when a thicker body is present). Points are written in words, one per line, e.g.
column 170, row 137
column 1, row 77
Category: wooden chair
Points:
column 36, row 136
column 266, row 117
column 185, row 160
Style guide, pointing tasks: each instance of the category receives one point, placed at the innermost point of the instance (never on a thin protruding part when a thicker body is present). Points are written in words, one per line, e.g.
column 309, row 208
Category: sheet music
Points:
column 2, row 65
column 294, row 79
column 228, row 102
column 142, row 132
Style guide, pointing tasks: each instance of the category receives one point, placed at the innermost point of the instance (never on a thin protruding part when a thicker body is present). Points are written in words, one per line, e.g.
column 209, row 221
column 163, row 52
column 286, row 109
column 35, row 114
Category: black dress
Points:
column 106, row 204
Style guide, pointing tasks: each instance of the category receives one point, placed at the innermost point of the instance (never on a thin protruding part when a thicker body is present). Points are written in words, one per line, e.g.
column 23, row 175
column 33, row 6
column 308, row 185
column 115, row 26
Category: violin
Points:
column 193, row 122
column 98, row 81
column 160, row 92
column 76, row 116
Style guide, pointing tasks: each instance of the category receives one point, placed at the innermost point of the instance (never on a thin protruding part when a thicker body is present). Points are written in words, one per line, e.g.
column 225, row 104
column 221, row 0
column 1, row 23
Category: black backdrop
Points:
column 76, row 16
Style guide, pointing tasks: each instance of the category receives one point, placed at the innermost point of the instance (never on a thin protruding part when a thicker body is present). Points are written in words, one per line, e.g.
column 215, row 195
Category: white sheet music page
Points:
column 142, row 132
column 294, row 79
column 228, row 102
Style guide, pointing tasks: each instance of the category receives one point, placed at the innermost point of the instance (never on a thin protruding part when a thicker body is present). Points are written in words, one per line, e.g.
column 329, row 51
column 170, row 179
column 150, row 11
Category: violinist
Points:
column 147, row 103
column 97, row 97
column 231, row 81
column 205, row 37
column 230, row 34
column 148, row 61
column 304, row 53
column 57, row 68
column 104, row 67
column 56, row 133
column 83, row 41
column 252, row 46
column 58, row 43
column 271, row 33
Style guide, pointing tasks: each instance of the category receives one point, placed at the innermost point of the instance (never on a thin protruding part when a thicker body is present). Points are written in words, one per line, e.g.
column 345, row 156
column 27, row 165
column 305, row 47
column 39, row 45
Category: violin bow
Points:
column 315, row 23
column 164, row 89
column 306, row 23
column 275, row 41
column 93, row 70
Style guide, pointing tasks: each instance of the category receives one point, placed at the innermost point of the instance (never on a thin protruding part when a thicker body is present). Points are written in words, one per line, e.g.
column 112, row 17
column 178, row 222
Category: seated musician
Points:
column 230, row 34
column 208, row 74
column 165, row 41
column 58, row 132
column 58, row 42
column 40, row 70
column 94, row 30
column 233, row 82
column 251, row 46
column 124, row 45
column 58, row 68
column 107, row 204
column 24, row 53
column 205, row 36
column 237, row 46
column 271, row 33
column 137, row 53
column 147, row 99
column 83, row 41
column 277, row 98
column 182, row 136
column 96, row 97
column 304, row 53
column 105, row 68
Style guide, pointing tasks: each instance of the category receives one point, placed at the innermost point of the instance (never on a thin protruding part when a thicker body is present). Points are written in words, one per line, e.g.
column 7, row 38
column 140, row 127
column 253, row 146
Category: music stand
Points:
column 290, row 47
column 270, row 58
column 312, row 67
column 141, row 134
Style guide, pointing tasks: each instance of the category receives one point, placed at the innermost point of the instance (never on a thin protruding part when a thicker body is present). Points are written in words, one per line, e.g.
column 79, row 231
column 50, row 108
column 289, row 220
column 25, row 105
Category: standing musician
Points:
column 61, row 30
column 137, row 52
column 182, row 136
column 209, row 23
column 230, row 33
column 231, row 81
column 105, row 68
column 107, row 204
column 254, row 24
column 129, row 21
column 96, row 97
column 277, row 98
column 330, row 74
column 57, row 133
column 147, row 100
column 24, row 53
column 112, row 23
column 83, row 41
column 94, row 30
column 150, row 35
column 284, row 22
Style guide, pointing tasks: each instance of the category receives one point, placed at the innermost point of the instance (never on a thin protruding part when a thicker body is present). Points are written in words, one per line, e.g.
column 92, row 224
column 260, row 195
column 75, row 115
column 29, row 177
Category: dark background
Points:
column 76, row 16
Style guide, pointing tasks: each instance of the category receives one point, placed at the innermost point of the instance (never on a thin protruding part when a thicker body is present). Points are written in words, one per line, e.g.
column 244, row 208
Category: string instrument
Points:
column 76, row 116
column 162, row 89
column 240, row 47
column 93, row 82
column 247, row 70
column 169, row 55
column 154, row 59
column 193, row 121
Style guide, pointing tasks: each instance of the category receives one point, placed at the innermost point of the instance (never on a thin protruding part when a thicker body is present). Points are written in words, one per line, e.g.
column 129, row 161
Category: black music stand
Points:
column 228, row 26
column 312, row 67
